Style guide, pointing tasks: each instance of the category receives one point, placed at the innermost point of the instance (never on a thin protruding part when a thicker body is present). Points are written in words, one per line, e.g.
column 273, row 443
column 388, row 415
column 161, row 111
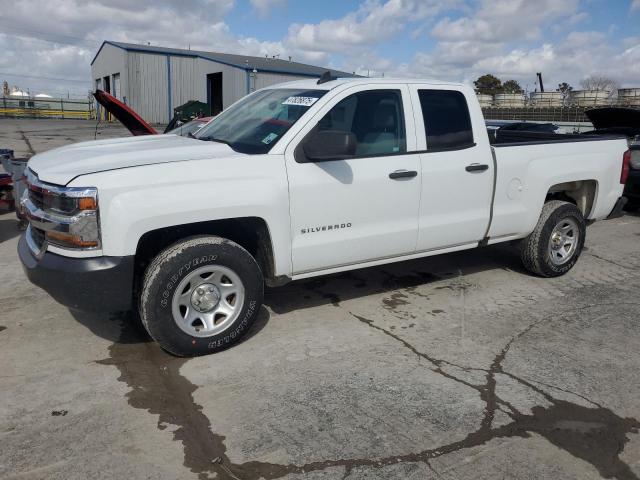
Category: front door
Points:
column 364, row 207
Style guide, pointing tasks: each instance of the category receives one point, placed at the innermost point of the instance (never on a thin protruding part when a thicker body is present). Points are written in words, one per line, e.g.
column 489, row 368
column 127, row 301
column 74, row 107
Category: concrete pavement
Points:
column 451, row 367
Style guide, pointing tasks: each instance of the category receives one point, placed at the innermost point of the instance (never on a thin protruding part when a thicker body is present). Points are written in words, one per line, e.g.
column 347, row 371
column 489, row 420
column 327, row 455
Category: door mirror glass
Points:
column 324, row 145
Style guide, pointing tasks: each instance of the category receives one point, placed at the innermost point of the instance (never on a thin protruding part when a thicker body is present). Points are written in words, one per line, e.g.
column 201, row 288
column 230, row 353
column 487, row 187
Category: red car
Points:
column 137, row 125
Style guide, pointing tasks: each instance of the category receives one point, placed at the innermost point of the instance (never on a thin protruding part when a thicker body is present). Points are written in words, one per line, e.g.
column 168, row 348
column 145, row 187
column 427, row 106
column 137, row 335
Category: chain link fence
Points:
column 46, row 108
column 574, row 114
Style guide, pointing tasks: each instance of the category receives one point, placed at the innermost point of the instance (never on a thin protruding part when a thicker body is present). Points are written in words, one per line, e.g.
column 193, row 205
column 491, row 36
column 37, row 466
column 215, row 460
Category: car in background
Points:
column 632, row 187
column 137, row 125
column 606, row 121
column 190, row 128
column 621, row 121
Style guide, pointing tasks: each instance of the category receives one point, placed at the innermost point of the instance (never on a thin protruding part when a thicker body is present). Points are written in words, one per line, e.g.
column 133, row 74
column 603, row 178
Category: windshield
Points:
column 256, row 123
column 186, row 128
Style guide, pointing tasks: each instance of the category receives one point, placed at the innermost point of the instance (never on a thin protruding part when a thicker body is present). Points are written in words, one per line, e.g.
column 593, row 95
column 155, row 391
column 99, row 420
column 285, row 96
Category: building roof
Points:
column 245, row 62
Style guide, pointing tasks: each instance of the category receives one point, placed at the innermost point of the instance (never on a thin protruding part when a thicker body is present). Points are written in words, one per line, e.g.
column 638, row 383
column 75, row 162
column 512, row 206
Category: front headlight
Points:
column 63, row 216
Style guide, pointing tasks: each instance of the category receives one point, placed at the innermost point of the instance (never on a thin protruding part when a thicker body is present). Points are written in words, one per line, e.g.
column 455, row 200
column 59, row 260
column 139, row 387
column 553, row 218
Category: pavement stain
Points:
column 594, row 434
column 395, row 300
column 2, row 328
column 158, row 387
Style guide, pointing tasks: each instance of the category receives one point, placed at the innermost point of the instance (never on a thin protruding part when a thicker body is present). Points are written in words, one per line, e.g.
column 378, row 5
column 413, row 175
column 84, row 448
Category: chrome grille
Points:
column 37, row 236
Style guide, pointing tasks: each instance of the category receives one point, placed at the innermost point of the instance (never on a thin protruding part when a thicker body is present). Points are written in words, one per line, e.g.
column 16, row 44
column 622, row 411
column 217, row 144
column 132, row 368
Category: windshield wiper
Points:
column 211, row 139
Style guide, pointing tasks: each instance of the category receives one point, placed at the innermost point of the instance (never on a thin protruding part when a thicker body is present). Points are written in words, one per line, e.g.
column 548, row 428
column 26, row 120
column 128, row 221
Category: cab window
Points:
column 446, row 119
column 374, row 117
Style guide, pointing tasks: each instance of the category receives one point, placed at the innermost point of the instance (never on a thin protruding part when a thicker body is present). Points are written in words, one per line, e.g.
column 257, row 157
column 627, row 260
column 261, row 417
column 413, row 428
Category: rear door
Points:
column 457, row 168
column 363, row 208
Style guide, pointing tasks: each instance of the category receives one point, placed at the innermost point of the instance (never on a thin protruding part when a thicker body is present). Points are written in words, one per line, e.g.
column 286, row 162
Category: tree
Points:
column 599, row 82
column 564, row 88
column 512, row 86
column 488, row 84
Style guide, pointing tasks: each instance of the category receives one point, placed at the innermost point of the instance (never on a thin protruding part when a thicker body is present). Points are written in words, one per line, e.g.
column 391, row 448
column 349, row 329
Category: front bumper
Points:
column 89, row 284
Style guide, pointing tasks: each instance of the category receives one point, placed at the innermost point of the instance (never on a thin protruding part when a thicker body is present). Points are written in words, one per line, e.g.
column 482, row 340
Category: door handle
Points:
column 403, row 174
column 476, row 167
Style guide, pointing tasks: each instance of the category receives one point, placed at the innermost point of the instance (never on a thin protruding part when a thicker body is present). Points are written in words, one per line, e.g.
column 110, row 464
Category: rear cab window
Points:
column 446, row 118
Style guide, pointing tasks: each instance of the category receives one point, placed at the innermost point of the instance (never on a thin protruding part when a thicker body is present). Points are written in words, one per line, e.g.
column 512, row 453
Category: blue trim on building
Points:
column 169, row 109
column 283, row 72
column 155, row 52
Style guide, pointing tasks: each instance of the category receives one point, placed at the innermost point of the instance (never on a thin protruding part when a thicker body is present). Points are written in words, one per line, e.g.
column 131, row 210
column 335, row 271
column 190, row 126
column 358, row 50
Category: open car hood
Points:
column 614, row 117
column 129, row 118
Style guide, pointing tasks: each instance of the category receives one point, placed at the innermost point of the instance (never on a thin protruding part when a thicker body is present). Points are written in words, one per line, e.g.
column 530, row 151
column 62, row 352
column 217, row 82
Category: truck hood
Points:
column 614, row 117
column 61, row 165
column 126, row 115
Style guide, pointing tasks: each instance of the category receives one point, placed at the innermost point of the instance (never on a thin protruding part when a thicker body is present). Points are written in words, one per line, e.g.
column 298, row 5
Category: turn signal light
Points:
column 87, row 203
column 69, row 240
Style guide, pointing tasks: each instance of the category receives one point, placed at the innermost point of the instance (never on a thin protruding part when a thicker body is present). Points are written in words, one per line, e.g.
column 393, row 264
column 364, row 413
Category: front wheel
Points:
column 200, row 295
column 554, row 246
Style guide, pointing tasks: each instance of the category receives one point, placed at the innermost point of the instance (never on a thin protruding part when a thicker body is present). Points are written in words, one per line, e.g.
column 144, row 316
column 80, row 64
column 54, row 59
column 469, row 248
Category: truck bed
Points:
column 499, row 138
column 529, row 165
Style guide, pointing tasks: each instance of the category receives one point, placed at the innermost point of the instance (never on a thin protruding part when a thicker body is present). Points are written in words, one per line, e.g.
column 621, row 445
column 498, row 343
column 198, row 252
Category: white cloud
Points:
column 504, row 20
column 373, row 23
column 635, row 5
column 264, row 7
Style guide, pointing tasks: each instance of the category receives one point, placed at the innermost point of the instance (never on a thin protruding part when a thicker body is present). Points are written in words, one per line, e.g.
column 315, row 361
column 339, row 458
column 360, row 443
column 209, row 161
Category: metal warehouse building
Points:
column 155, row 80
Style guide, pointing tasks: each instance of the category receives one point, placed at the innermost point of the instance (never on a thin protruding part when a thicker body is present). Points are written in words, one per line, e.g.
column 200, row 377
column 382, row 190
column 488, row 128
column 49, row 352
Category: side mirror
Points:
column 325, row 145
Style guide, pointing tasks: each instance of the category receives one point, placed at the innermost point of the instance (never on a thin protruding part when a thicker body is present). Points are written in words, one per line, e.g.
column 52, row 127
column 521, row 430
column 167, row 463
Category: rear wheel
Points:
column 200, row 295
column 554, row 246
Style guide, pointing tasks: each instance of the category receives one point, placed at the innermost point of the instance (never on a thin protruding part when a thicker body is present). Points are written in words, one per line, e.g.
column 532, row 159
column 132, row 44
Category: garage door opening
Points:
column 214, row 92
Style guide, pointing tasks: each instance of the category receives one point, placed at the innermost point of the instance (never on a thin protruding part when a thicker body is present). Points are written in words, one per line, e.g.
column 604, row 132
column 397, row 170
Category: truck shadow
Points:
column 448, row 268
column 8, row 230
column 126, row 327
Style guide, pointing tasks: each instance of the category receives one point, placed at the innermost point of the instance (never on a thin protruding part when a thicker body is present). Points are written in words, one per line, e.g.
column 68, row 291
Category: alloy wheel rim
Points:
column 208, row 300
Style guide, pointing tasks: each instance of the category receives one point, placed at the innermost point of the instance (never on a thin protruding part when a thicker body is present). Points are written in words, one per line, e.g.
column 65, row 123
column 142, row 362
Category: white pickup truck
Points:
column 298, row 180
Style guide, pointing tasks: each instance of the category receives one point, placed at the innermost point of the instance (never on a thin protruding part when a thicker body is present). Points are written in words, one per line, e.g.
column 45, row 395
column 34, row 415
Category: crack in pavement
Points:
column 612, row 262
column 595, row 435
column 27, row 142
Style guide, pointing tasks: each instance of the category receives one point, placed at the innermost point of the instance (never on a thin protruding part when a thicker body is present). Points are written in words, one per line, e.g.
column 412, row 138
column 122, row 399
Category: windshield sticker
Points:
column 269, row 138
column 300, row 101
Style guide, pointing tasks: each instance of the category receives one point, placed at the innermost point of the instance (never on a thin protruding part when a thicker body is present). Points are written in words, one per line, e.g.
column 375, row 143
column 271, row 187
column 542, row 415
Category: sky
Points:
column 47, row 45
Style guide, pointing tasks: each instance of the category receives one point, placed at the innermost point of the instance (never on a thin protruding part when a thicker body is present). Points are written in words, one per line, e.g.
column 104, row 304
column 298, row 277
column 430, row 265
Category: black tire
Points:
column 163, row 276
column 534, row 249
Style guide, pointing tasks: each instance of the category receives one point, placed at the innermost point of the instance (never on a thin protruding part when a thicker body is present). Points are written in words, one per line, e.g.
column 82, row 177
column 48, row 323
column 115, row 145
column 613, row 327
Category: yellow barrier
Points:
column 48, row 113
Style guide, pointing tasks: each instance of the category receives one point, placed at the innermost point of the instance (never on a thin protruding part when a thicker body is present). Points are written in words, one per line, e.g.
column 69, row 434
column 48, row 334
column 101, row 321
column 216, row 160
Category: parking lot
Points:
column 461, row 366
